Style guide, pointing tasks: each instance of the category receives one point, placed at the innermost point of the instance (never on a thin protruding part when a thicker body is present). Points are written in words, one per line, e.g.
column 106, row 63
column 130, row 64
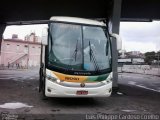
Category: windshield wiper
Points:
column 75, row 51
column 73, row 56
column 92, row 57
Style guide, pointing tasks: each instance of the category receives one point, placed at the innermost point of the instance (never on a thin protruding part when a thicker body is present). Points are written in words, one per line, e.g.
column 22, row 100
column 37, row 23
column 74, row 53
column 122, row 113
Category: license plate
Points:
column 82, row 93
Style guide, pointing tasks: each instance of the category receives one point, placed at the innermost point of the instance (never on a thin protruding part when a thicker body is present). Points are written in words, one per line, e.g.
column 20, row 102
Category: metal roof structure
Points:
column 20, row 10
column 140, row 10
column 27, row 10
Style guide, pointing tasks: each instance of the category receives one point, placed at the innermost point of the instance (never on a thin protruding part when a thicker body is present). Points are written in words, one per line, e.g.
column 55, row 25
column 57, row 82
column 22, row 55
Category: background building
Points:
column 21, row 53
column 131, row 57
column 32, row 38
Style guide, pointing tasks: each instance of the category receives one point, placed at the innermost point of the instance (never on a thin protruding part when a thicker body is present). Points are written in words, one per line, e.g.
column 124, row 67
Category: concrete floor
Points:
column 138, row 94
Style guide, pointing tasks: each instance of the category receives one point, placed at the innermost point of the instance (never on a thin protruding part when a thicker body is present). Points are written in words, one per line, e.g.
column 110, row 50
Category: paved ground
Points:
column 149, row 82
column 138, row 94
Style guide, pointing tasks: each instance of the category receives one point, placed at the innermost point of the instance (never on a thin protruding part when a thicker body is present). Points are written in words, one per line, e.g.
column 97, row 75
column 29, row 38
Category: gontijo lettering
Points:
column 71, row 78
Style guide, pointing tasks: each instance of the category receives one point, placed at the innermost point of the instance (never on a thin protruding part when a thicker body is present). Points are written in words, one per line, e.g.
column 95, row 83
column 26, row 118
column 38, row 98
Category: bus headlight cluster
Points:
column 109, row 79
column 53, row 79
column 106, row 81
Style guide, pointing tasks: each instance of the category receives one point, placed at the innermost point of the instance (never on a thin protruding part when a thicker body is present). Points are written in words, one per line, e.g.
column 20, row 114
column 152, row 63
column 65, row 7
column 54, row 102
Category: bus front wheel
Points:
column 43, row 96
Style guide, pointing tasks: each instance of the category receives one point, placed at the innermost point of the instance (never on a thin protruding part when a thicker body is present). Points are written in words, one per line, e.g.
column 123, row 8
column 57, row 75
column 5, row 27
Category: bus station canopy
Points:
column 27, row 10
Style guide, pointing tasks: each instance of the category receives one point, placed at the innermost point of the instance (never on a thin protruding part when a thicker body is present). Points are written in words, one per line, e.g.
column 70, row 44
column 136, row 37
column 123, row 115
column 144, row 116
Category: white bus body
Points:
column 76, row 58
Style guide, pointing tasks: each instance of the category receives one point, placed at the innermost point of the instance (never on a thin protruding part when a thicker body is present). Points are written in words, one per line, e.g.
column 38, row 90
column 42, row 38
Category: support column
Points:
column 2, row 28
column 115, row 21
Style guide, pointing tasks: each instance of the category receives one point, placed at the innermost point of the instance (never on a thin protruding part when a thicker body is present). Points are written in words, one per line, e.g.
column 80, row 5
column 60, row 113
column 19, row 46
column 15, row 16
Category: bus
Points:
column 76, row 58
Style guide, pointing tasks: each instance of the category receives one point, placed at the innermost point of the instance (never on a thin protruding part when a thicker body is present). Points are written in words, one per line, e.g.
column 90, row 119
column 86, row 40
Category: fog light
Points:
column 110, row 90
column 49, row 90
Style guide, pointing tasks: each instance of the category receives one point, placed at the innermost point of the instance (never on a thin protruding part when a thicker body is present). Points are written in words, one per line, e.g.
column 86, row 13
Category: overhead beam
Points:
column 27, row 10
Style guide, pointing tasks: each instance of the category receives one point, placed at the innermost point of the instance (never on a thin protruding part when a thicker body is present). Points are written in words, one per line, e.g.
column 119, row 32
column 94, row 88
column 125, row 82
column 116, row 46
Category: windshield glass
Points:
column 96, row 37
column 78, row 47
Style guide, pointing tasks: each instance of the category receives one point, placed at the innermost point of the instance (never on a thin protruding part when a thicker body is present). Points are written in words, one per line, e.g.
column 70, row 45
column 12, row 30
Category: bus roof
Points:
column 77, row 20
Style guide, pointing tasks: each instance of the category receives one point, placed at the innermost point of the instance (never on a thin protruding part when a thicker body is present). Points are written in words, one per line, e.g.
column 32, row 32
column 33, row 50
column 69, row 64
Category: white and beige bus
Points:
column 76, row 59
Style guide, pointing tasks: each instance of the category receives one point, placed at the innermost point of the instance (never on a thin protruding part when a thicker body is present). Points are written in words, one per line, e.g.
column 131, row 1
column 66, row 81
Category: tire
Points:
column 40, row 84
column 43, row 96
column 40, row 79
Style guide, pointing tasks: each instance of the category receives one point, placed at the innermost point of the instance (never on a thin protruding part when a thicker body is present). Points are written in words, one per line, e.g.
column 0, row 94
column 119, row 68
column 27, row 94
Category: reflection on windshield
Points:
column 65, row 38
column 65, row 47
column 98, row 41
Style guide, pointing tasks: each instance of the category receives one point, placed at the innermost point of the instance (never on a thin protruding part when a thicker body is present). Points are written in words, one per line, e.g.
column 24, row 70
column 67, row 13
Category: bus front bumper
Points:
column 55, row 90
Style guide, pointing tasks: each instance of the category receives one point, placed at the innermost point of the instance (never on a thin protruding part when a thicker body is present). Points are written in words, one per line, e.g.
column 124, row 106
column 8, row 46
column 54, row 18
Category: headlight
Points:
column 53, row 79
column 109, row 79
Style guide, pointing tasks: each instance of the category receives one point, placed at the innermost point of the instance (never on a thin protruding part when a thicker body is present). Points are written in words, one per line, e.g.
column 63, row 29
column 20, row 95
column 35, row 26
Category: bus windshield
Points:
column 79, row 47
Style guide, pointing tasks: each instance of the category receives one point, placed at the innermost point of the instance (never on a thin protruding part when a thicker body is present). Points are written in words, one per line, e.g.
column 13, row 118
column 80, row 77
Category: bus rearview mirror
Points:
column 118, row 39
column 45, row 36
